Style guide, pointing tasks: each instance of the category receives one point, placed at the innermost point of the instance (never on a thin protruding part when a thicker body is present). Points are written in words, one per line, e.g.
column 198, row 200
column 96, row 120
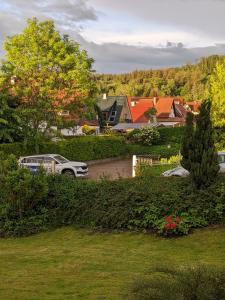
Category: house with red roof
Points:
column 167, row 109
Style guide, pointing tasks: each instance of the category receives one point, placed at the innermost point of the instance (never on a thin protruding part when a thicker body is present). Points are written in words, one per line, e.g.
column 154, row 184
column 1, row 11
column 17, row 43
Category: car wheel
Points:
column 69, row 173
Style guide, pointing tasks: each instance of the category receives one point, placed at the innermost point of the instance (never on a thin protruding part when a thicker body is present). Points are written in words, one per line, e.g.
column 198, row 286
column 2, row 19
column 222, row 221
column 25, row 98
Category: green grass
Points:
column 156, row 170
column 79, row 264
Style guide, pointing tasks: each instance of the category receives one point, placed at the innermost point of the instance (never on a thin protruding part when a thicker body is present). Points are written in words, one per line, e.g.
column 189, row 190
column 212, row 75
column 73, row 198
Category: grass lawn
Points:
column 156, row 170
column 79, row 264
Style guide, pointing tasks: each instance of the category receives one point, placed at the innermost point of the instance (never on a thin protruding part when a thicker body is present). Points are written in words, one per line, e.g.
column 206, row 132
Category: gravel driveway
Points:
column 111, row 170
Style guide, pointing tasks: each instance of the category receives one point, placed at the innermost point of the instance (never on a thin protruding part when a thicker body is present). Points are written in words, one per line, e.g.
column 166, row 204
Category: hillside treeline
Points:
column 188, row 81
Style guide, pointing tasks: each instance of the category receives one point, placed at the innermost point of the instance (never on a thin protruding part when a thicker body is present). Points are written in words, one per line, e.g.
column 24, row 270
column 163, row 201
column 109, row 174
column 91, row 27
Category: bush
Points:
column 170, row 135
column 87, row 130
column 31, row 203
column 145, row 136
column 187, row 283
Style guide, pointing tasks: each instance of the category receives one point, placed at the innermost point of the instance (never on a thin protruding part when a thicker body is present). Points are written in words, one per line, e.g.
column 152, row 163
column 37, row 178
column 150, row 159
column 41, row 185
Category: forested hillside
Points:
column 188, row 82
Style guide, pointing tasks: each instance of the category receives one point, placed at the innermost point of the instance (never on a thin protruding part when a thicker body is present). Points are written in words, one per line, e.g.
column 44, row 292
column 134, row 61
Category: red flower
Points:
column 168, row 219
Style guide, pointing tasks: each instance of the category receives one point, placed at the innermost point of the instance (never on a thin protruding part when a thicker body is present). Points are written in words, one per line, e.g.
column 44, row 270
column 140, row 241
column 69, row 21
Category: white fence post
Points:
column 134, row 164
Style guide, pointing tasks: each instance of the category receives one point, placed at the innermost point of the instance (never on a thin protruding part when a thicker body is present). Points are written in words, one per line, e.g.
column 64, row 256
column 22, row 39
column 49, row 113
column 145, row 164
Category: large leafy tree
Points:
column 49, row 73
column 217, row 94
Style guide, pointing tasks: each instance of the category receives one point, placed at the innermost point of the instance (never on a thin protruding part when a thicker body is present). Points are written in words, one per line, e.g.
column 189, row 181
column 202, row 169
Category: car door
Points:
column 32, row 163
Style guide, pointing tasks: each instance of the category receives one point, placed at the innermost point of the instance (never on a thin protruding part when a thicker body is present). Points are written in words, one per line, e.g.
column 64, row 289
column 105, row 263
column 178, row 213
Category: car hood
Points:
column 74, row 164
column 178, row 170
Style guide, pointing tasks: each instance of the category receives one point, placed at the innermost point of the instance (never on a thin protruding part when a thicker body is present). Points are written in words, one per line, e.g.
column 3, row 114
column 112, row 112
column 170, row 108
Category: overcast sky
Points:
column 126, row 35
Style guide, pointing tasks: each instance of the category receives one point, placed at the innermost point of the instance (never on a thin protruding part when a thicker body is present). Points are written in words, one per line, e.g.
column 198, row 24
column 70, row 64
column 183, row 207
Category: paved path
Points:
column 111, row 170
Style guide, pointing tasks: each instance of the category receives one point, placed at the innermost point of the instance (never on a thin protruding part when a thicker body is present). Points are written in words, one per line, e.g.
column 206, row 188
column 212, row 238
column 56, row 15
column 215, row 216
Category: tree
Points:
column 187, row 142
column 217, row 94
column 49, row 73
column 151, row 114
column 204, row 166
column 9, row 119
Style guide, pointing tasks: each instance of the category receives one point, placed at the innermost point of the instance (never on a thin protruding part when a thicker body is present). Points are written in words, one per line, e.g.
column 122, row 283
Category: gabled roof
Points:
column 138, row 110
column 106, row 104
column 164, row 106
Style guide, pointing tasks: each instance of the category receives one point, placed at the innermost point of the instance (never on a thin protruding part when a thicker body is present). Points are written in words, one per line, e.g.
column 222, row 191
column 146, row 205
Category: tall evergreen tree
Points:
column 187, row 142
column 204, row 166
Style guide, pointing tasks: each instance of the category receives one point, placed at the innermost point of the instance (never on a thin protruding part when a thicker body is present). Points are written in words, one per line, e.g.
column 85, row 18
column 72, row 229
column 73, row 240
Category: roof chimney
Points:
column 104, row 96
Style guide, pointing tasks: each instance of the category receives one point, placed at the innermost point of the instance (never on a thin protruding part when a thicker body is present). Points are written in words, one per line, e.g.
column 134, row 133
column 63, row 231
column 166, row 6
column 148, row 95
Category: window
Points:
column 113, row 113
column 112, row 119
column 33, row 160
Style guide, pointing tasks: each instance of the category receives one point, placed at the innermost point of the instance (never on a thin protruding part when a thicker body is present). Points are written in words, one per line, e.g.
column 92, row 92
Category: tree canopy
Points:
column 217, row 95
column 48, row 73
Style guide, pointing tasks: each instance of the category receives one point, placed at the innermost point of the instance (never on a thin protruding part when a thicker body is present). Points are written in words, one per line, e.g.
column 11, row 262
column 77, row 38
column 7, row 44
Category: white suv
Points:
column 54, row 163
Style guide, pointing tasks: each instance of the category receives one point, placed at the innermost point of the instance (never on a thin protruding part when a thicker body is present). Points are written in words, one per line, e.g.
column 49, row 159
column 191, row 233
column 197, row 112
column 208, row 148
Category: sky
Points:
column 126, row 35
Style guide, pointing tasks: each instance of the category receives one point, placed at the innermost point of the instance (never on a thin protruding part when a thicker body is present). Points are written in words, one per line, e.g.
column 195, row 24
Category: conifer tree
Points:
column 187, row 142
column 204, row 166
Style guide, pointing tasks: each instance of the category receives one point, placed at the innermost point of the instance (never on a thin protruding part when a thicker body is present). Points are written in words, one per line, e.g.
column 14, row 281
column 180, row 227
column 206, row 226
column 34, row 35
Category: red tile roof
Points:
column 164, row 107
column 194, row 105
column 141, row 106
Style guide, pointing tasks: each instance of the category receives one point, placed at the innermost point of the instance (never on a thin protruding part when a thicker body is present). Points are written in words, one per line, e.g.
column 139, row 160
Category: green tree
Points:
column 204, row 166
column 49, row 73
column 187, row 142
column 9, row 119
column 217, row 94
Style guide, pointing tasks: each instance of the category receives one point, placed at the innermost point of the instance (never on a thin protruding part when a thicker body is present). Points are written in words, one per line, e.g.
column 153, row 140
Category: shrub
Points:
column 31, row 203
column 145, row 136
column 187, row 283
column 87, row 130
column 171, row 135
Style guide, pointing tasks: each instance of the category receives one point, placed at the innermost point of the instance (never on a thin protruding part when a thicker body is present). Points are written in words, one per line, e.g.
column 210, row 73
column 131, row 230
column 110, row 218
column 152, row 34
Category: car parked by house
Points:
column 182, row 172
column 54, row 163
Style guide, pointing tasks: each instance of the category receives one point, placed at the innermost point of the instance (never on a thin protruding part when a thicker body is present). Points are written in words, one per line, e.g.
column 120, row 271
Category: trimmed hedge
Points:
column 140, row 203
column 91, row 148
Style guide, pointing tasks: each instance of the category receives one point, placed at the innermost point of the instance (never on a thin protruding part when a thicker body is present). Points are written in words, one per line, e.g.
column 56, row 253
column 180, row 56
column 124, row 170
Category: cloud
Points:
column 116, row 58
column 66, row 13
column 167, row 20
column 205, row 17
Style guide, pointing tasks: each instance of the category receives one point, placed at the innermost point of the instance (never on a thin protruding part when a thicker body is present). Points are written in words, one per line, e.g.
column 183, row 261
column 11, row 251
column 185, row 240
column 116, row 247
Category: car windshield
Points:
column 61, row 159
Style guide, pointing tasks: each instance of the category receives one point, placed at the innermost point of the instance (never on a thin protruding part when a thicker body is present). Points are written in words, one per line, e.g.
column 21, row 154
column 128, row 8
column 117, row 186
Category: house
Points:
column 167, row 109
column 114, row 109
column 193, row 106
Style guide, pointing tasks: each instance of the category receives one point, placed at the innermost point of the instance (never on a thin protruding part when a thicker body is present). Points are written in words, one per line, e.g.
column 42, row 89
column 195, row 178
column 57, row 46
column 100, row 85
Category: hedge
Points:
column 91, row 148
column 134, row 204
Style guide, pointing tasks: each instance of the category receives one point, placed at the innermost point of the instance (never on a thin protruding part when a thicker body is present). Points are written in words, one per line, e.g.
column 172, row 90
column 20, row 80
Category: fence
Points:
column 150, row 160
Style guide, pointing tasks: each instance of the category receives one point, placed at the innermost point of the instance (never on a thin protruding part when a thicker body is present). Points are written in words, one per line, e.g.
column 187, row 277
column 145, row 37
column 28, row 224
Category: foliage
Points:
column 87, row 130
column 189, row 81
column 171, row 135
column 217, row 95
column 204, row 165
column 145, row 136
column 9, row 119
column 196, row 282
column 49, row 74
column 175, row 159
column 88, row 148
column 141, row 203
column 187, row 142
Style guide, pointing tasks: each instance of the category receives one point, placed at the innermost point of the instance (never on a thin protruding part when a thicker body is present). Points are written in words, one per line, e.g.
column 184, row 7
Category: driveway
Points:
column 121, row 168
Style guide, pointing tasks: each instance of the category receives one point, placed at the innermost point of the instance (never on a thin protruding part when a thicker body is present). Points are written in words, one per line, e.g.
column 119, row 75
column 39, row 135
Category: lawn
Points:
column 79, row 264
column 156, row 170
